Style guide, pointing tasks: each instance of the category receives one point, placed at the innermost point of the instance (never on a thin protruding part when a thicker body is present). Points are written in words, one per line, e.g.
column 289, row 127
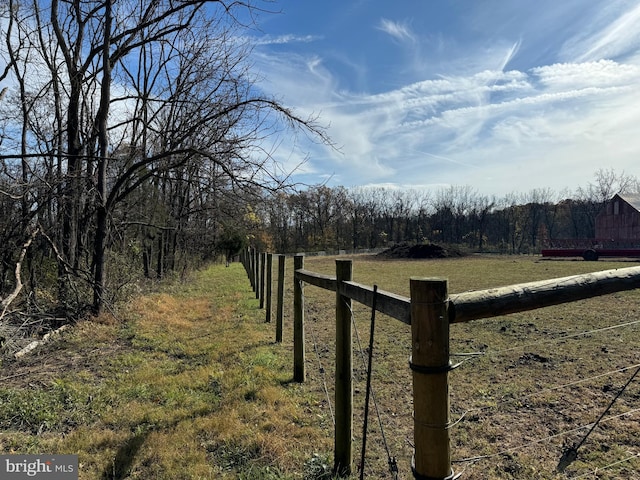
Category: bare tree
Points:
column 591, row 199
column 151, row 95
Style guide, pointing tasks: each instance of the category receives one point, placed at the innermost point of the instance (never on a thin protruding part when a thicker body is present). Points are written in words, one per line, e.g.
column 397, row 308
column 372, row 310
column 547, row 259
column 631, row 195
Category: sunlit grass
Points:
column 510, row 395
column 189, row 383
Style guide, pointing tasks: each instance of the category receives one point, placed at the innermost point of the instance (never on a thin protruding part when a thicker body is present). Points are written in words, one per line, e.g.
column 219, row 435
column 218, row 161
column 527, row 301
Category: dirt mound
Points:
column 421, row 250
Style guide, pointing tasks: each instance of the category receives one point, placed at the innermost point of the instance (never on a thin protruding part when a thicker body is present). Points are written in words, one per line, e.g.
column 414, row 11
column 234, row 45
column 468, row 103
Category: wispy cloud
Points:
column 511, row 53
column 484, row 117
column 398, row 30
column 615, row 39
column 588, row 74
column 440, row 132
column 285, row 39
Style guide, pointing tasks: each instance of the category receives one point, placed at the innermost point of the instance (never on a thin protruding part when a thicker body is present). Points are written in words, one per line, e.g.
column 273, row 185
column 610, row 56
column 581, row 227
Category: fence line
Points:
column 492, row 302
column 430, row 310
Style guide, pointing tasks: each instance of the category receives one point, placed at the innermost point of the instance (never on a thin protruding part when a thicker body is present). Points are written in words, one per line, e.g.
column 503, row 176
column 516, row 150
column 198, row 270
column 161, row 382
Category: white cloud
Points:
column 511, row 53
column 398, row 30
column 285, row 39
column 475, row 118
column 579, row 75
column 500, row 131
column 618, row 37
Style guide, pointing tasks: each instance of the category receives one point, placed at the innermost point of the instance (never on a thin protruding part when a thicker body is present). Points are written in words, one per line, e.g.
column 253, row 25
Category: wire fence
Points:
column 539, row 420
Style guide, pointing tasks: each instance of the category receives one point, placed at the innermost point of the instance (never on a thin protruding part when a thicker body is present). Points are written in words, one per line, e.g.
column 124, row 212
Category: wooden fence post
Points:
column 268, row 292
column 280, row 307
column 247, row 262
column 256, row 273
column 252, row 267
column 430, row 364
column 263, row 267
column 343, row 451
column 298, row 322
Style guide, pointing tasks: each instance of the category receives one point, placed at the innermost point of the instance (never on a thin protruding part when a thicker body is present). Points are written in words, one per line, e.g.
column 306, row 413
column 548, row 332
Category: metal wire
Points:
column 393, row 466
column 540, row 440
column 572, row 453
column 598, row 469
column 503, row 402
column 322, row 372
column 562, row 338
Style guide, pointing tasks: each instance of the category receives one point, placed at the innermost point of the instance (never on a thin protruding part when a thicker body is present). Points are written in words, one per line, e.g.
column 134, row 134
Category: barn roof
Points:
column 632, row 199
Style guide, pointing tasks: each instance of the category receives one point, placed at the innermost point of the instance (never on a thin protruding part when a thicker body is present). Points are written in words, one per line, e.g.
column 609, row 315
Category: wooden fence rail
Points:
column 492, row 302
column 429, row 310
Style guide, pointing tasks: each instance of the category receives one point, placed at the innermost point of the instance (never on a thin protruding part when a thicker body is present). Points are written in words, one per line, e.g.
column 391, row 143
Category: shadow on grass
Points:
column 121, row 465
column 289, row 381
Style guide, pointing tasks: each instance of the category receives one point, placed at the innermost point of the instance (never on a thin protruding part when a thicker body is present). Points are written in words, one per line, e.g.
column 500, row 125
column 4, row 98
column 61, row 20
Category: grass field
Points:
column 536, row 378
column 189, row 384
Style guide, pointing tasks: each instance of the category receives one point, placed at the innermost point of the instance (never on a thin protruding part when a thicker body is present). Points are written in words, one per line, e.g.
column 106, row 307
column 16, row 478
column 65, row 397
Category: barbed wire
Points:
column 473, row 356
column 613, row 464
column 562, row 338
column 571, row 453
column 517, row 399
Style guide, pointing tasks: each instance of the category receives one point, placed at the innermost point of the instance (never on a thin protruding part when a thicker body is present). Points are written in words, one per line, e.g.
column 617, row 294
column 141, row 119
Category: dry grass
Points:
column 517, row 410
column 191, row 385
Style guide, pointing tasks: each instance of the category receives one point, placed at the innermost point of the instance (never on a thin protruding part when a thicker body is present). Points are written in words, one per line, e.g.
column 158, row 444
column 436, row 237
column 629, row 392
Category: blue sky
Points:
column 504, row 96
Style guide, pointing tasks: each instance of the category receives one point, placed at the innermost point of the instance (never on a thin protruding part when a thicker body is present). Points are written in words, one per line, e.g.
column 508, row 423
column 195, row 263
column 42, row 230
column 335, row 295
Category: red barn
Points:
column 619, row 221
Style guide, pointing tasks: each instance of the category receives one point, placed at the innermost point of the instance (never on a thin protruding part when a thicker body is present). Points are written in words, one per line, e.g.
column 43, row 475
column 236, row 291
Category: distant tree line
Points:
column 324, row 218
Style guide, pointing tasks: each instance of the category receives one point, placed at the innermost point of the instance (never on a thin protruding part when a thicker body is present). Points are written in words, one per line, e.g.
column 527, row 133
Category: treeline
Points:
column 324, row 218
column 132, row 139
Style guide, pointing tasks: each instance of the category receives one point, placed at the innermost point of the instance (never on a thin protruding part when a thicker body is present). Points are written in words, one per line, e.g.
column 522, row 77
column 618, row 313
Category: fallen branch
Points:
column 68, row 269
column 4, row 304
column 33, row 345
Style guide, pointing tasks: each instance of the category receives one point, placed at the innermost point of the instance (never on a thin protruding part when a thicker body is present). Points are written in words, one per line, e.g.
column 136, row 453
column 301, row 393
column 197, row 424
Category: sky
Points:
column 503, row 96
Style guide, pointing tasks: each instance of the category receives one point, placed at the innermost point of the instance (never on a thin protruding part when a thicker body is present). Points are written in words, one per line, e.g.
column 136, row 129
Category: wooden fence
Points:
column 429, row 311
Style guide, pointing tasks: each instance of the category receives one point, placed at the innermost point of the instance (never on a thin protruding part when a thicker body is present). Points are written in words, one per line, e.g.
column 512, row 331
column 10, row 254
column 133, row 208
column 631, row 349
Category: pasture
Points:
column 530, row 384
column 188, row 382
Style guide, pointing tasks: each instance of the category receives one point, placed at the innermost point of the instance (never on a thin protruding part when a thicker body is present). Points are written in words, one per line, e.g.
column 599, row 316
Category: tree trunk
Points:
column 103, row 145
